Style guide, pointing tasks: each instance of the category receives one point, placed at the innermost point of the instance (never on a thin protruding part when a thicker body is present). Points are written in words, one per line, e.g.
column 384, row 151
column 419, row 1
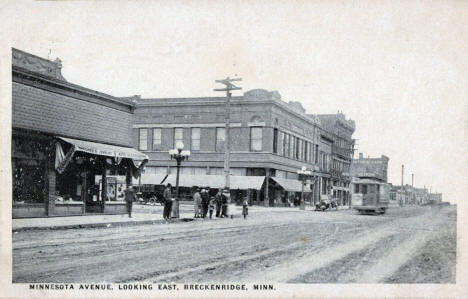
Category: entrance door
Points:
column 90, row 193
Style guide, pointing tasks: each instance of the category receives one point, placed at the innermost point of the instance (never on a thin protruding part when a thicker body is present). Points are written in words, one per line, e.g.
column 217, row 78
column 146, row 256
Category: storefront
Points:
column 66, row 141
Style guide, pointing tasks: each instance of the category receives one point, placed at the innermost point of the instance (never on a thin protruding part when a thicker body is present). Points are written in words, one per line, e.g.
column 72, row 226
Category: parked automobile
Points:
column 326, row 204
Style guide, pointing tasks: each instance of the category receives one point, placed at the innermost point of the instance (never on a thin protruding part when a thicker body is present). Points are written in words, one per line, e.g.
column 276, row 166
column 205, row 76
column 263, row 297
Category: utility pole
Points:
column 412, row 180
column 402, row 174
column 227, row 142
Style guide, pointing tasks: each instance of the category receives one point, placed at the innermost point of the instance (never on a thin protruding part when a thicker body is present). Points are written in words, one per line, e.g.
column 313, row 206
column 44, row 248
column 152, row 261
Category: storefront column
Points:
column 49, row 192
column 266, row 200
column 104, row 186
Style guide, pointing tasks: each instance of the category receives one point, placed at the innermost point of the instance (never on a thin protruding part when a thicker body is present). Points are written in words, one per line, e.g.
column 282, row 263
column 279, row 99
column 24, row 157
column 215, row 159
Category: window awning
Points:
column 291, row 185
column 150, row 179
column 119, row 152
column 217, row 181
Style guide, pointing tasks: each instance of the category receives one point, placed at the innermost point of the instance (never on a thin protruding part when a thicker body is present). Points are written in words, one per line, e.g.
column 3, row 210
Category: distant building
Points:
column 435, row 198
column 270, row 138
column 370, row 167
column 409, row 195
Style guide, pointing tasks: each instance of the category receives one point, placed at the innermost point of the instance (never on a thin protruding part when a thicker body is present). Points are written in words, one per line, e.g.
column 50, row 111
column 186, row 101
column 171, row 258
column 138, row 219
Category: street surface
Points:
column 406, row 245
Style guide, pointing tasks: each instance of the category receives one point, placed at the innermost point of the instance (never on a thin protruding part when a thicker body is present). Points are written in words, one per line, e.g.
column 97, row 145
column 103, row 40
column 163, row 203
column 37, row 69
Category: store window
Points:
column 143, row 139
column 156, row 139
column 195, row 141
column 178, row 136
column 256, row 139
column 220, row 139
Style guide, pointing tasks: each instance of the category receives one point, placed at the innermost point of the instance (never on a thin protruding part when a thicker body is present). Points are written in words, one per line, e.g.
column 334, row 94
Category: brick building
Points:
column 270, row 140
column 370, row 167
column 338, row 131
column 64, row 137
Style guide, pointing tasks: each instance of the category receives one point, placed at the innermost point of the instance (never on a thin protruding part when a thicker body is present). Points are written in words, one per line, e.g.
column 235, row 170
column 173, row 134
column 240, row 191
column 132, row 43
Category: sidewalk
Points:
column 142, row 214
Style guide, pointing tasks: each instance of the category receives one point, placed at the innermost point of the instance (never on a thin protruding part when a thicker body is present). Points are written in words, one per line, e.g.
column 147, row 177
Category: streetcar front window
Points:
column 356, row 188
column 364, row 189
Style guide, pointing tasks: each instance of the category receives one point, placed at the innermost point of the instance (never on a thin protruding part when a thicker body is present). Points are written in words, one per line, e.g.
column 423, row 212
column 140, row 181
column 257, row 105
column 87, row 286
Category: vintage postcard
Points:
column 240, row 149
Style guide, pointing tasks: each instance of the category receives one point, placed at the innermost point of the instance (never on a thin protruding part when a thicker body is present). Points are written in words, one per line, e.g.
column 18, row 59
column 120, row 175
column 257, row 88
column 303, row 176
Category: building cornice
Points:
column 33, row 79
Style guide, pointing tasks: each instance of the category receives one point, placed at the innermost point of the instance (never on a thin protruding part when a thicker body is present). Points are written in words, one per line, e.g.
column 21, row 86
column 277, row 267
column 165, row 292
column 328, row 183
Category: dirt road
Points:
column 405, row 245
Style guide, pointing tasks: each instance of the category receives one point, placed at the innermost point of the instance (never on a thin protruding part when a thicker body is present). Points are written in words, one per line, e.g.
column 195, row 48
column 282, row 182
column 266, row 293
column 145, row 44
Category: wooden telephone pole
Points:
column 227, row 142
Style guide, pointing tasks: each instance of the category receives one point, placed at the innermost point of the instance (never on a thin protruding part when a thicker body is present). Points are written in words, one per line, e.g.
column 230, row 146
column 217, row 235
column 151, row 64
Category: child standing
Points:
column 245, row 209
column 212, row 206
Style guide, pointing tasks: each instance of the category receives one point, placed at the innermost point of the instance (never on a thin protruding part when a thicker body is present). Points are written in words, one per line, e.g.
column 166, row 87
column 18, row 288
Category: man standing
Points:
column 130, row 197
column 225, row 198
column 205, row 202
column 218, row 202
column 197, row 203
column 167, row 195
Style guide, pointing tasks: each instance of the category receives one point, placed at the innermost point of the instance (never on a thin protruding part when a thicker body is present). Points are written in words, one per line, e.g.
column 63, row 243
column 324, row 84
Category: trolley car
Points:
column 370, row 195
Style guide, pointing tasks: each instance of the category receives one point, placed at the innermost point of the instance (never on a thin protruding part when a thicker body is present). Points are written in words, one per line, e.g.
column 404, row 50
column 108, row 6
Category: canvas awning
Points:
column 118, row 152
column 291, row 185
column 150, row 179
column 217, row 181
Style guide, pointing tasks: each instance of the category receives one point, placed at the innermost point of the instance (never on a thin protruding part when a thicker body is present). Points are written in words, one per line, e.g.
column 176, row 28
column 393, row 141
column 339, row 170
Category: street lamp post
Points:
column 179, row 155
column 304, row 175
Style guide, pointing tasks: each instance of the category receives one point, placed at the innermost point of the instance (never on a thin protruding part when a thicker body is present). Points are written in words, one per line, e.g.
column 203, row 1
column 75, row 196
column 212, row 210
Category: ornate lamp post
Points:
column 304, row 175
column 179, row 155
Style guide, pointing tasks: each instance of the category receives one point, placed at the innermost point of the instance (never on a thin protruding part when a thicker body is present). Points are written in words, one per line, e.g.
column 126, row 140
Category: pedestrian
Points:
column 224, row 201
column 218, row 199
column 205, row 202
column 167, row 197
column 212, row 206
column 197, row 202
column 245, row 208
column 130, row 197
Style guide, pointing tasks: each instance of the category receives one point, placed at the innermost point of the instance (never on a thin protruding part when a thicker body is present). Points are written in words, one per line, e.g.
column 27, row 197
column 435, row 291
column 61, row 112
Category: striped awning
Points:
column 118, row 152
column 291, row 185
column 217, row 181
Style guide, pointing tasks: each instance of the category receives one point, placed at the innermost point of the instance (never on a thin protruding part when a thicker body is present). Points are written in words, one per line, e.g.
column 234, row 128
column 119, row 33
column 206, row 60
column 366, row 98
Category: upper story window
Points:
column 157, row 139
column 299, row 150
column 316, row 154
column 220, row 139
column 275, row 141
column 143, row 140
column 286, row 145
column 306, row 151
column 256, row 139
column 195, row 141
column 292, row 146
column 178, row 136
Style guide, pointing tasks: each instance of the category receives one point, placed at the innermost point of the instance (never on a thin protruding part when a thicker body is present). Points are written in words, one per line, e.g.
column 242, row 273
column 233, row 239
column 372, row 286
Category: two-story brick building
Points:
column 270, row 139
column 64, row 137
column 370, row 167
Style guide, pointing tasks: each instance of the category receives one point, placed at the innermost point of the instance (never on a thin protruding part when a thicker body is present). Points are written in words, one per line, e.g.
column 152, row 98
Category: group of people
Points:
column 203, row 204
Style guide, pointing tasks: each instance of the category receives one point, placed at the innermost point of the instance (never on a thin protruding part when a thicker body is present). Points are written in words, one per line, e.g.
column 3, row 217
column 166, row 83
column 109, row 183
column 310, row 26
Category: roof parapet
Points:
column 37, row 64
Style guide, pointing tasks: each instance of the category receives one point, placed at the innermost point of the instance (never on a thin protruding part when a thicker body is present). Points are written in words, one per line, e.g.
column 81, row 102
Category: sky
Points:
column 398, row 68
